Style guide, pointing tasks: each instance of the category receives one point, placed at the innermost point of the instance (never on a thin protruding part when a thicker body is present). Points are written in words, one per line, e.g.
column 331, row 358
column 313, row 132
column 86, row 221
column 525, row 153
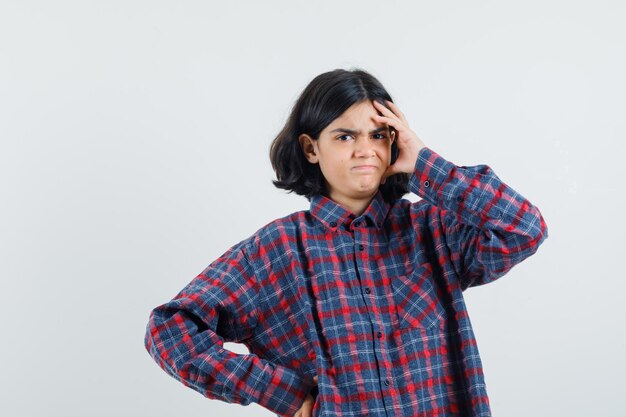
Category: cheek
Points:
column 334, row 161
column 329, row 167
column 385, row 152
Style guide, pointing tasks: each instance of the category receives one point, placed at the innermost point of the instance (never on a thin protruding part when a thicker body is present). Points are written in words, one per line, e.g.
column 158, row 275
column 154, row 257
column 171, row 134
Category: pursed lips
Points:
column 365, row 167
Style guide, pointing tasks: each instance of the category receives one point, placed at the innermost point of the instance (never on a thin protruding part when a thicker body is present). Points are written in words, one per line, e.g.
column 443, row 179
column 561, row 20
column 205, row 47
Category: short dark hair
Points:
column 326, row 97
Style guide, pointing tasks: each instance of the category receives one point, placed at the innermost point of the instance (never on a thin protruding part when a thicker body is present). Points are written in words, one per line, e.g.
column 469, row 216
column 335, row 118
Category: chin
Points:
column 367, row 192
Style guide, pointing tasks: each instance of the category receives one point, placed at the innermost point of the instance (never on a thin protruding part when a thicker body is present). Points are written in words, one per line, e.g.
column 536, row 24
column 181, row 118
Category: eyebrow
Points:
column 356, row 132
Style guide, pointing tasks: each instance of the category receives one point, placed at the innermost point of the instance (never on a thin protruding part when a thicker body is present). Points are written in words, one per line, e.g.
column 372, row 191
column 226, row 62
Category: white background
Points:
column 134, row 151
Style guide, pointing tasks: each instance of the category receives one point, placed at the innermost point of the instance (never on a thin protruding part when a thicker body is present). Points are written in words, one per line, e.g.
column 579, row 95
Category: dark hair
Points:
column 325, row 98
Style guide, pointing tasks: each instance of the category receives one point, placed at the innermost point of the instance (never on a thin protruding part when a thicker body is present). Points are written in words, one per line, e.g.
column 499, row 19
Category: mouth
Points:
column 365, row 168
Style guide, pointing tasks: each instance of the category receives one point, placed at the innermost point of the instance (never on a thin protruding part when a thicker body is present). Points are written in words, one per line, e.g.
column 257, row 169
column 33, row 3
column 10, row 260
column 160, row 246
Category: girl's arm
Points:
column 487, row 226
column 185, row 337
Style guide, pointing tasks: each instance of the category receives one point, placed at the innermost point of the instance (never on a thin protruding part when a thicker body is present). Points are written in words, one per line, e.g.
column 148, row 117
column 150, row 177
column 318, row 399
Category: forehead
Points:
column 357, row 115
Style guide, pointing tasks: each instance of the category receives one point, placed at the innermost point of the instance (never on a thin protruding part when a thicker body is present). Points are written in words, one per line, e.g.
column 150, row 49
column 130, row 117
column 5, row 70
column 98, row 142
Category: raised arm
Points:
column 487, row 226
column 185, row 336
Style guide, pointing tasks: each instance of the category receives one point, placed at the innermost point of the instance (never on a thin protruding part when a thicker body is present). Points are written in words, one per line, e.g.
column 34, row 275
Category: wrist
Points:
column 416, row 153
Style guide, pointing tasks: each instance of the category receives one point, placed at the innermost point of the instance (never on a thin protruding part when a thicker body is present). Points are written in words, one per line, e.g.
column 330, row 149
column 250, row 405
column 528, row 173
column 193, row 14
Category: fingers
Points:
column 395, row 123
column 397, row 111
column 392, row 111
column 383, row 109
column 389, row 119
column 306, row 409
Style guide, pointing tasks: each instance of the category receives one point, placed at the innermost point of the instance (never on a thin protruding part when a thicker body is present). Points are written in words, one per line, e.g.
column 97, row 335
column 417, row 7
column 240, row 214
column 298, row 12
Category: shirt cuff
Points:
column 430, row 174
column 474, row 194
column 285, row 391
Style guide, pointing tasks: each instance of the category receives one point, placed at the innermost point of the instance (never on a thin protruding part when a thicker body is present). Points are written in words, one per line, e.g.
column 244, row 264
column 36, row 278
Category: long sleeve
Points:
column 185, row 337
column 487, row 226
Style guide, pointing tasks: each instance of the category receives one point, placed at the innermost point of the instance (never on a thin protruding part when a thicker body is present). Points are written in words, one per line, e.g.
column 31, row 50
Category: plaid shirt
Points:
column 372, row 305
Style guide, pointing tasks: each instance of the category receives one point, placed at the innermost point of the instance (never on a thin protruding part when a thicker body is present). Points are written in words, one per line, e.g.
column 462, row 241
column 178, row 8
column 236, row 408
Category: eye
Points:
column 380, row 136
column 343, row 138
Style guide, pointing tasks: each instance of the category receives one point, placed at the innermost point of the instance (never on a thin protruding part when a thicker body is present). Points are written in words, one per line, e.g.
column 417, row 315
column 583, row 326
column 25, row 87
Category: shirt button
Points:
column 367, row 290
column 379, row 335
column 361, row 247
column 427, row 183
column 387, row 382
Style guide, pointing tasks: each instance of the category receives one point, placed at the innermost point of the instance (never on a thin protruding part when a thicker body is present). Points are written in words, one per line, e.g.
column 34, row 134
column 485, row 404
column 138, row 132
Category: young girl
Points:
column 353, row 307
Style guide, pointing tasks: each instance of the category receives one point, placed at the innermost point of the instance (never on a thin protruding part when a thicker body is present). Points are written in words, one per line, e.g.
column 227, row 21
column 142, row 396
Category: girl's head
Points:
column 330, row 144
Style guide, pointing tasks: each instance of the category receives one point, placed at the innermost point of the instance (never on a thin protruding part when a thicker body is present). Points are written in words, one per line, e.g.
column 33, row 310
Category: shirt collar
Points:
column 334, row 215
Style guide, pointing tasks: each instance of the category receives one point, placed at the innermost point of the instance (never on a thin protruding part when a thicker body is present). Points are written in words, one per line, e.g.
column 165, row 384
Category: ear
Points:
column 309, row 148
column 393, row 135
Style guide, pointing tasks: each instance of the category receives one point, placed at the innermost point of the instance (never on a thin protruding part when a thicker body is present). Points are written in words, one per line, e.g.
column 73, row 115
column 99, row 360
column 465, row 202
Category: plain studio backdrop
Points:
column 134, row 151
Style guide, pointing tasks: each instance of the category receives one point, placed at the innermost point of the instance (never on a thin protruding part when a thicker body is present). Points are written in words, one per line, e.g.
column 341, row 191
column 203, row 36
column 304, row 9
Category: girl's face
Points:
column 353, row 152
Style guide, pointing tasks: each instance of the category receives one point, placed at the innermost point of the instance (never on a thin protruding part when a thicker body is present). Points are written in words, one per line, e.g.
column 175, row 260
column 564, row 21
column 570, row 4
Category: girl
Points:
column 355, row 306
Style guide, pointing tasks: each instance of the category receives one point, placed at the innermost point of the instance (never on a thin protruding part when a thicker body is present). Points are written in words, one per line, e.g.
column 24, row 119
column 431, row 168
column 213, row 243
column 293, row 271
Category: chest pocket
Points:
column 417, row 303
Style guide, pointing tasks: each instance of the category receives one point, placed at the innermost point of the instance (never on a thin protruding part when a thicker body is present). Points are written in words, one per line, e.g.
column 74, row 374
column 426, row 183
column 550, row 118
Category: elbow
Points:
column 150, row 342
column 531, row 231
column 539, row 232
column 148, row 339
column 171, row 339
column 155, row 346
column 528, row 245
column 544, row 229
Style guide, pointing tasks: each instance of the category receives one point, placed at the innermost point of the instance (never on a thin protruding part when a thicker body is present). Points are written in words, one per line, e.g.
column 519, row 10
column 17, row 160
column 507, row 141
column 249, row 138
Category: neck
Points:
column 355, row 205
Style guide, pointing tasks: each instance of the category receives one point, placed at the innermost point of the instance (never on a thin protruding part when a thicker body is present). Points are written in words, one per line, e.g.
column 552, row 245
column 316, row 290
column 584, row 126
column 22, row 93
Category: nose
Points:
column 363, row 148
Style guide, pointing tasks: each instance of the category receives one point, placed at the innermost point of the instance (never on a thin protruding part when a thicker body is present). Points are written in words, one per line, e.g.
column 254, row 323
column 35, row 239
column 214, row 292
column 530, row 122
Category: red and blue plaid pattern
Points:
column 372, row 305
